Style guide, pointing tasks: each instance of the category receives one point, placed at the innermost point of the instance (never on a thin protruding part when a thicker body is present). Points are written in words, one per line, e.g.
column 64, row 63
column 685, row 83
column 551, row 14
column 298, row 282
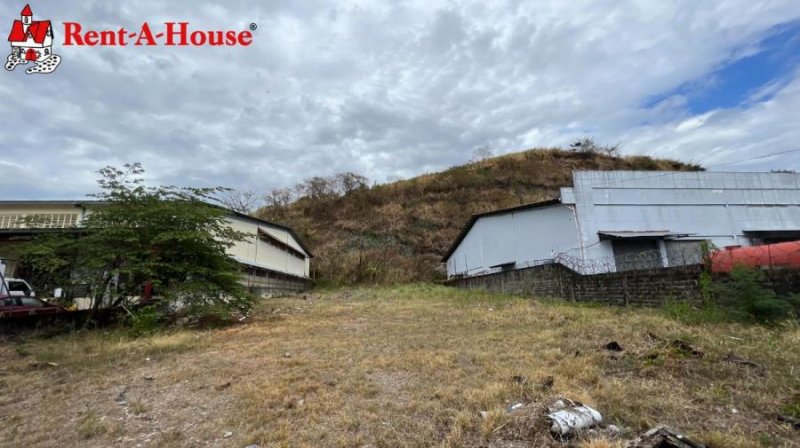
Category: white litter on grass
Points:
column 569, row 420
column 515, row 406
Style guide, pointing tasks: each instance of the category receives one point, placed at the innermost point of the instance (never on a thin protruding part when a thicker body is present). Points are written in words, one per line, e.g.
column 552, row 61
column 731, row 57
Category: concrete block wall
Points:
column 639, row 288
column 276, row 285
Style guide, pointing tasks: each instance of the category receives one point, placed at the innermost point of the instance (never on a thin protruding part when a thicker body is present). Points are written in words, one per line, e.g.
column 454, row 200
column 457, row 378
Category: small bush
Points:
column 144, row 321
column 91, row 425
column 746, row 298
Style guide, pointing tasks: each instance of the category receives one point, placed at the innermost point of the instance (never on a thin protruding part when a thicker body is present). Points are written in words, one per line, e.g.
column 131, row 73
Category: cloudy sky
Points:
column 394, row 89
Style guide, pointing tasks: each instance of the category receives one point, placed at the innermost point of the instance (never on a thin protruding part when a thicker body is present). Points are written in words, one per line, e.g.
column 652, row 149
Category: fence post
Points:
column 625, row 292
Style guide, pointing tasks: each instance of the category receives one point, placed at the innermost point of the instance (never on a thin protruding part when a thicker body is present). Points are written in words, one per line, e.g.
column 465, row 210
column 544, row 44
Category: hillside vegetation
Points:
column 398, row 232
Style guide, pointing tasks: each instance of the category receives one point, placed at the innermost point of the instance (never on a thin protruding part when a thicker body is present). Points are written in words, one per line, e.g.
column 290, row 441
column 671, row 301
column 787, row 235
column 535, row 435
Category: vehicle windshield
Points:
column 17, row 286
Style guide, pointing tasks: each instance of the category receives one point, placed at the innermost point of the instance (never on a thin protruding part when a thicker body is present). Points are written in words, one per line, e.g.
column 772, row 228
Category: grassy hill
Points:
column 397, row 232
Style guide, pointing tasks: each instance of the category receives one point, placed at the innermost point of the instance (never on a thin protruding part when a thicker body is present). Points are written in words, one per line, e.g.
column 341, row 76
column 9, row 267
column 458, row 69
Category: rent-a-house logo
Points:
column 32, row 41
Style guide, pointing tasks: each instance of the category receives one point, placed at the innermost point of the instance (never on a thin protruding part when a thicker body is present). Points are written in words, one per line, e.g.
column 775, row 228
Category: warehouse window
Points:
column 39, row 221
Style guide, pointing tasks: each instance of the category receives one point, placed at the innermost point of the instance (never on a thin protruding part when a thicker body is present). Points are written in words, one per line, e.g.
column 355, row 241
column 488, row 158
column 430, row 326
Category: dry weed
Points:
column 405, row 366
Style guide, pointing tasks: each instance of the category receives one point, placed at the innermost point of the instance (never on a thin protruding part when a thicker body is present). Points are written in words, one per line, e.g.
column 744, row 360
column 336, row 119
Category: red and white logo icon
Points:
column 32, row 42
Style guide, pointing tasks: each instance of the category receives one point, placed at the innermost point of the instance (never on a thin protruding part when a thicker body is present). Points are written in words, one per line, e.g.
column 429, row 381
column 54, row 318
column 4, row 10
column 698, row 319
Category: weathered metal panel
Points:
column 713, row 206
column 523, row 237
column 709, row 205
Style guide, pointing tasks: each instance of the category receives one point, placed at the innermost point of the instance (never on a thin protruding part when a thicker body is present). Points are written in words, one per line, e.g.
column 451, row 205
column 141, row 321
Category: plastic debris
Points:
column 515, row 406
column 122, row 398
column 572, row 417
column 664, row 437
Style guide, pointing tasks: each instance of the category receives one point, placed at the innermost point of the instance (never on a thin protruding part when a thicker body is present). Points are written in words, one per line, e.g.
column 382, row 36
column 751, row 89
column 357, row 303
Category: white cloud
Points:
column 382, row 88
column 723, row 137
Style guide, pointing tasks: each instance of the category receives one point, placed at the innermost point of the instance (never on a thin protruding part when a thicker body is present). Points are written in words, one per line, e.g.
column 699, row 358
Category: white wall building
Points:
column 273, row 258
column 618, row 220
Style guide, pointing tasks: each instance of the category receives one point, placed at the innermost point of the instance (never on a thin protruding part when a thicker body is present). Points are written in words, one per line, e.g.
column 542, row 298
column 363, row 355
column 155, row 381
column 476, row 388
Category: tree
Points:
column 239, row 201
column 317, row 188
column 481, row 153
column 347, row 183
column 279, row 197
column 170, row 237
column 278, row 200
column 587, row 145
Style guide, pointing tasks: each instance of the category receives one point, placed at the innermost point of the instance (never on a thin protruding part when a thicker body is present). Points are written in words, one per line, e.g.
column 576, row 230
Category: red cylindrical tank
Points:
column 775, row 255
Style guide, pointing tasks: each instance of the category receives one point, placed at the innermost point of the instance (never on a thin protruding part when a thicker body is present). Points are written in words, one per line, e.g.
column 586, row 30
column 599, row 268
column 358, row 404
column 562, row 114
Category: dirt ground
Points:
column 410, row 366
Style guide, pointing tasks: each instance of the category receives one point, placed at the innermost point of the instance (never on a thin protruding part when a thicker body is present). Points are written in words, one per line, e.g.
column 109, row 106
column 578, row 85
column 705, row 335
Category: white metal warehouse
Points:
column 617, row 220
column 273, row 258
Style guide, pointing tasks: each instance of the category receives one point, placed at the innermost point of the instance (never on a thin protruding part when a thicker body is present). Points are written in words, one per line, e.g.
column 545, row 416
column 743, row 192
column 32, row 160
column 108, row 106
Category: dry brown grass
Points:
column 404, row 366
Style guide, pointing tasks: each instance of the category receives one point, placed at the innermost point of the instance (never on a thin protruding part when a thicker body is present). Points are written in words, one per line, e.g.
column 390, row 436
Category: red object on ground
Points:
column 785, row 255
column 17, row 307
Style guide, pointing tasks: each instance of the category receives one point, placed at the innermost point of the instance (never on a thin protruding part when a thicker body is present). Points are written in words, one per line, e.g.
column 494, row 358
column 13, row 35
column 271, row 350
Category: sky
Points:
column 393, row 89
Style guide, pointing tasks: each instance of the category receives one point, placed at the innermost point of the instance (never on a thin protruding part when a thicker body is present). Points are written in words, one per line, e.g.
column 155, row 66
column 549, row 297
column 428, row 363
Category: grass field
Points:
column 409, row 366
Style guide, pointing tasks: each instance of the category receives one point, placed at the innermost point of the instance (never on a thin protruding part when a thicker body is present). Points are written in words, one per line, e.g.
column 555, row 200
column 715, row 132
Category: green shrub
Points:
column 144, row 321
column 746, row 297
column 696, row 314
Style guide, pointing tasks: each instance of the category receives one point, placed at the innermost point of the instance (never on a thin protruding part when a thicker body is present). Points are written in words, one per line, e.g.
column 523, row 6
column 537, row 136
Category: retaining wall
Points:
column 651, row 287
column 647, row 287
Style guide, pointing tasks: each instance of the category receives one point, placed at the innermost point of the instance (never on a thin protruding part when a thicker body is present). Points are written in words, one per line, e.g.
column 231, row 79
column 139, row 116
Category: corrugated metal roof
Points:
column 75, row 202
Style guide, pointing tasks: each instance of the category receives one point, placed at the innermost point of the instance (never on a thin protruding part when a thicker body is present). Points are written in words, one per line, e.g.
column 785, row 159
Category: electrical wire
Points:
column 764, row 156
column 733, row 162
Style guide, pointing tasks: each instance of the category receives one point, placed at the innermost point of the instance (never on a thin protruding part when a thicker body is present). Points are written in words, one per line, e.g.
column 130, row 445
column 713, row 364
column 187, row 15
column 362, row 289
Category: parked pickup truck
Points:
column 17, row 299
column 18, row 287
